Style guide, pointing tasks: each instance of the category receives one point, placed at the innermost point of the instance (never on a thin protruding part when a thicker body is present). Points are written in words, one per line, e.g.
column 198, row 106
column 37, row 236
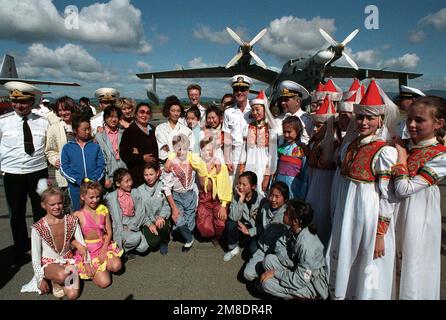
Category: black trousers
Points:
column 17, row 188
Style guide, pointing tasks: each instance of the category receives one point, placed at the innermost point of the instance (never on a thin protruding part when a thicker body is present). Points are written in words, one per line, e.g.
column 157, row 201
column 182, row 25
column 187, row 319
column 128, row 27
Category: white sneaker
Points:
column 231, row 254
column 187, row 245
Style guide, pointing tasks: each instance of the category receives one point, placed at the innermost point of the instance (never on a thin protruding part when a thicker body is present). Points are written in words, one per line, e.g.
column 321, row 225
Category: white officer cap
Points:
column 409, row 92
column 23, row 91
column 241, row 81
column 290, row 88
column 106, row 94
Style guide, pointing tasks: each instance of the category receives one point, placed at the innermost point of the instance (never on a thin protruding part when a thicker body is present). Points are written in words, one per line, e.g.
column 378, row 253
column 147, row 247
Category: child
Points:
column 193, row 122
column 292, row 167
column 297, row 269
column 81, row 158
column 95, row 223
column 52, row 256
column 156, row 208
column 269, row 228
column 127, row 213
column 242, row 216
column 215, row 192
column 322, row 167
column 179, row 181
column 261, row 143
column 214, row 118
column 418, row 224
column 361, row 250
column 109, row 140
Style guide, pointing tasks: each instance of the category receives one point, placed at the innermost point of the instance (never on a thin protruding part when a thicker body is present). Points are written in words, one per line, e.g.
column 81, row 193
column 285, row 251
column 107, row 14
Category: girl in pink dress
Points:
column 96, row 227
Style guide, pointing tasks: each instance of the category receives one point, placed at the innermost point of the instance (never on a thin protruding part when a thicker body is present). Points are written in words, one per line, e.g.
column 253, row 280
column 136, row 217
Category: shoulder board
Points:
column 5, row 115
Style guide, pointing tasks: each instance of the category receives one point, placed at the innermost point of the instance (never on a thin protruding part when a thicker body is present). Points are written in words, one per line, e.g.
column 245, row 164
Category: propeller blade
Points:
column 350, row 60
column 258, row 36
column 235, row 36
column 328, row 38
column 234, row 60
column 258, row 60
column 350, row 37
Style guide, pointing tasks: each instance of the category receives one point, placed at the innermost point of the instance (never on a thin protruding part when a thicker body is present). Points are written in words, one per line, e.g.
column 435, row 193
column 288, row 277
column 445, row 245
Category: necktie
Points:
column 27, row 137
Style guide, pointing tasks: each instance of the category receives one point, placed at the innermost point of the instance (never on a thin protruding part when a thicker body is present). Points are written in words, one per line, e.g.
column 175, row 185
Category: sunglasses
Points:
column 240, row 89
column 144, row 112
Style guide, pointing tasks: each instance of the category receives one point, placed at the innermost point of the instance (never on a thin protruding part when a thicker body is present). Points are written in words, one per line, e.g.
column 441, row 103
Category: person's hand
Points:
column 379, row 247
column 108, row 183
column 102, row 255
column 57, row 164
column 241, row 169
column 99, row 129
column 82, row 251
column 175, row 214
column 230, row 167
column 268, row 274
column 135, row 151
column 240, row 194
column 222, row 214
column 152, row 229
column 44, row 287
column 160, row 222
column 243, row 228
column 265, row 183
column 89, row 270
column 149, row 158
column 165, row 148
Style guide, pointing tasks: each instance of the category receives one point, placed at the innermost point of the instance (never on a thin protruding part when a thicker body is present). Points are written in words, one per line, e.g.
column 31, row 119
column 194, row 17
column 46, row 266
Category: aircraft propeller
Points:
column 340, row 46
column 246, row 48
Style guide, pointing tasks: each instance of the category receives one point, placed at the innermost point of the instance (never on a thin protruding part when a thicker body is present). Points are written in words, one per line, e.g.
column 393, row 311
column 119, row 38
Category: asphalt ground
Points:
column 200, row 274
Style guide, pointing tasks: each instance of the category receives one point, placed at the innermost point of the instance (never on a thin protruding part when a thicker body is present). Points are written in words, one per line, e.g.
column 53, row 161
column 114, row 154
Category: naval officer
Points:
column 106, row 97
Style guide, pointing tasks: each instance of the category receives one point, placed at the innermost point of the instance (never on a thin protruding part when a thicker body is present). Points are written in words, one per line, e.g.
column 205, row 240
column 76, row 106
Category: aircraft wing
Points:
column 347, row 72
column 30, row 81
column 252, row 71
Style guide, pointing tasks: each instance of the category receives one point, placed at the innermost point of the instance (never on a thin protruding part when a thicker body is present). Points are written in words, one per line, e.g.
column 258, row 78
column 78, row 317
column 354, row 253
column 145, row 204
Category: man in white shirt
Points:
column 291, row 96
column 194, row 95
column 405, row 99
column 22, row 159
column 235, row 121
column 107, row 97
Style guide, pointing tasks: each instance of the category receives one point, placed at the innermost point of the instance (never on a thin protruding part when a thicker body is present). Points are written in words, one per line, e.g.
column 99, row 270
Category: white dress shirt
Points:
column 306, row 121
column 13, row 158
column 164, row 135
column 235, row 122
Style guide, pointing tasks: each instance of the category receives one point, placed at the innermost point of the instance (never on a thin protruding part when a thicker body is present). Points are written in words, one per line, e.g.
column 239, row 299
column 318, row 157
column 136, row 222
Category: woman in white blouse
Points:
column 164, row 132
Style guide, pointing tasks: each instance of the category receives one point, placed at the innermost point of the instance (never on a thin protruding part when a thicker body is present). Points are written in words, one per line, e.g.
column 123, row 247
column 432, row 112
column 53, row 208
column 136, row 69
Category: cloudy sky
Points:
column 116, row 39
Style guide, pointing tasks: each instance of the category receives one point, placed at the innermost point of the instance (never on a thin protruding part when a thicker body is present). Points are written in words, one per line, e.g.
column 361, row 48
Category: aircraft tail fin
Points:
column 8, row 69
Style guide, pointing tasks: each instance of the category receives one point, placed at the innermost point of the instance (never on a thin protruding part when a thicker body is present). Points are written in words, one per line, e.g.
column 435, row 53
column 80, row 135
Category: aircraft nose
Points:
column 323, row 56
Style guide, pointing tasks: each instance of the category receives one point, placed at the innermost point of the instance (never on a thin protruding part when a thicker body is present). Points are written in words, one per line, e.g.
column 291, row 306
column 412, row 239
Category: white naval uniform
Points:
column 306, row 121
column 164, row 135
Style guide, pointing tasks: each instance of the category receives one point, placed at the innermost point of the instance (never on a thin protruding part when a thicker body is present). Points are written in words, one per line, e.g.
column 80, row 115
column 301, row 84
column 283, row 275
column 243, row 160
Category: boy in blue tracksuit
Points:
column 81, row 158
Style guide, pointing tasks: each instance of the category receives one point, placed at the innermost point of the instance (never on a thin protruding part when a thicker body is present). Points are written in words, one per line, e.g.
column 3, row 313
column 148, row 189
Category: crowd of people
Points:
column 332, row 194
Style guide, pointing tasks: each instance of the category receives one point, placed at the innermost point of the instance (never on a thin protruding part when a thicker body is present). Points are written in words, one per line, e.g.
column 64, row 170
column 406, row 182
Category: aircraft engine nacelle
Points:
column 323, row 56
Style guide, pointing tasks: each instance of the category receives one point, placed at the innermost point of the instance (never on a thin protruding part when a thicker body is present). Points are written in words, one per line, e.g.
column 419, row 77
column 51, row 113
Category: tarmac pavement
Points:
column 200, row 274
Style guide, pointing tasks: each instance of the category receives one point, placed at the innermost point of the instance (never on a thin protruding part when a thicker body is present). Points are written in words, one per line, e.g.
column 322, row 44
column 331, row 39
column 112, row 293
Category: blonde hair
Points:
column 51, row 191
column 126, row 101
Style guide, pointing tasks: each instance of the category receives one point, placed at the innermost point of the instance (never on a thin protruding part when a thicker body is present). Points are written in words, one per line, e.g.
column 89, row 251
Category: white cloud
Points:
column 417, row 36
column 198, row 63
column 437, row 19
column 143, row 66
column 290, row 37
column 405, row 62
column 116, row 24
column 204, row 32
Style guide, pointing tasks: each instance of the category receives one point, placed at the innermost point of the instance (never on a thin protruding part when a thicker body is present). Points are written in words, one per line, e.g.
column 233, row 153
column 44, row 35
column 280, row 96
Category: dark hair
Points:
column 282, row 188
column 227, row 95
column 66, row 103
column 51, row 191
column 439, row 112
column 90, row 185
column 301, row 211
column 251, row 176
column 169, row 102
column 78, row 119
column 84, row 100
column 141, row 104
column 119, row 174
column 152, row 165
column 192, row 87
column 108, row 112
column 214, row 109
column 295, row 123
column 195, row 111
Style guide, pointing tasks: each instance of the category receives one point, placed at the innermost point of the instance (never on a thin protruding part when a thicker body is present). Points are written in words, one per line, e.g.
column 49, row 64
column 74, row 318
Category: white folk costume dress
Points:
column 44, row 251
column 322, row 164
column 367, row 210
column 418, row 224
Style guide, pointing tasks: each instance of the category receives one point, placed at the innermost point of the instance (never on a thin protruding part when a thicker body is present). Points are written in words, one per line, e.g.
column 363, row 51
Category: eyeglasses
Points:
column 144, row 112
column 240, row 89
